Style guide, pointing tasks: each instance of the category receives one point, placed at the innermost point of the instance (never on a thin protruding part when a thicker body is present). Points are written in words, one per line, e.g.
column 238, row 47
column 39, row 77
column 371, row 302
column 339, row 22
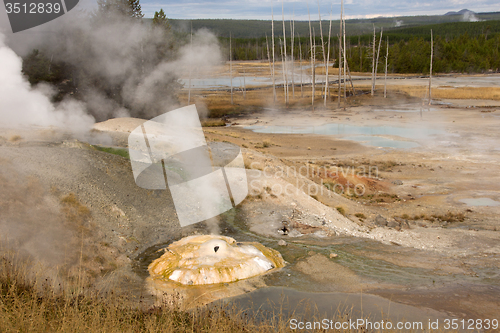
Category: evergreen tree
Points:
column 125, row 8
column 135, row 8
column 160, row 20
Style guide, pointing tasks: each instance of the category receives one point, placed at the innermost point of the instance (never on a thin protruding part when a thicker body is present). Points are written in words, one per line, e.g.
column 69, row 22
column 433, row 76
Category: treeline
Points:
column 354, row 27
column 458, row 47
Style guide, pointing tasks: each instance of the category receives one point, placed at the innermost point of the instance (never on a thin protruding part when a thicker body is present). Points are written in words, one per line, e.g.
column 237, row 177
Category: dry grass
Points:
column 360, row 216
column 15, row 138
column 489, row 93
column 31, row 305
column 341, row 210
column 218, row 103
column 213, row 123
column 265, row 144
column 449, row 217
column 76, row 213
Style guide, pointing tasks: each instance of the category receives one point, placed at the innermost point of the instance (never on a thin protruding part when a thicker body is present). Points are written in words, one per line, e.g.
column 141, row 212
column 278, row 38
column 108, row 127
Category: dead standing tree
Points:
column 312, row 57
column 373, row 60
column 273, row 70
column 231, row 67
column 386, row 58
column 376, row 63
column 322, row 41
column 430, row 72
column 327, row 86
column 285, row 74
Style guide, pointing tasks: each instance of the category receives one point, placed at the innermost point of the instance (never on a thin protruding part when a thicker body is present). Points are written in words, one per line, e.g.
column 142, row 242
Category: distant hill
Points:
column 261, row 28
column 462, row 12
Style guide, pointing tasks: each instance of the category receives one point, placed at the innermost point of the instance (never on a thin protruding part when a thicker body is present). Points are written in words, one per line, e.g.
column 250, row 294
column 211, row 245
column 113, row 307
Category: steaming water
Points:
column 409, row 108
column 365, row 134
column 480, row 202
column 225, row 82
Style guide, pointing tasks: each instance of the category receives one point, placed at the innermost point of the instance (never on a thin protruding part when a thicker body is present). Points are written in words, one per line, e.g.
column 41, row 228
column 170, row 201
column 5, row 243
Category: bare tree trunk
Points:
column 345, row 58
column 273, row 71
column 340, row 57
column 322, row 41
column 283, row 70
column 284, row 46
column 373, row 60
column 378, row 54
column 269, row 57
column 231, row 67
column 312, row 53
column 360, row 54
column 327, row 85
column 314, row 66
column 430, row 72
column 340, row 64
column 190, row 67
column 292, row 29
column 244, row 84
column 386, row 58
column 300, row 66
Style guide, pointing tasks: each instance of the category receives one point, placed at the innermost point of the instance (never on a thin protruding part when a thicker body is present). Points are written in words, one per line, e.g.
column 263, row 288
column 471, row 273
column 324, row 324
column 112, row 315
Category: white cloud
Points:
column 255, row 9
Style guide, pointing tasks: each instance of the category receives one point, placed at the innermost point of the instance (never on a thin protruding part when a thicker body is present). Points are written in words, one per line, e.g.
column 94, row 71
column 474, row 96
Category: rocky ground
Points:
column 407, row 237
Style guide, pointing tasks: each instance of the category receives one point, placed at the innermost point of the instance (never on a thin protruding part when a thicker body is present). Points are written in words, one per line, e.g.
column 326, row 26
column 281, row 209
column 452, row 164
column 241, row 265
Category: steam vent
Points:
column 209, row 259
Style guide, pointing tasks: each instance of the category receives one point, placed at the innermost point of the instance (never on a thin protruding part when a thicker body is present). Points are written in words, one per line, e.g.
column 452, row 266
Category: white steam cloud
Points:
column 22, row 105
column 470, row 17
column 121, row 68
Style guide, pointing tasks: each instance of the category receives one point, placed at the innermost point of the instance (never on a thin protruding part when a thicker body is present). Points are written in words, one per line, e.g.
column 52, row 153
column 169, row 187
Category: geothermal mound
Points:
column 208, row 259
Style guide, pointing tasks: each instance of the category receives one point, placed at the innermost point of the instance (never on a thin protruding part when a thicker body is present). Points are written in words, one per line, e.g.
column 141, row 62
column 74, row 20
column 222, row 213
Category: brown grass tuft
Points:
column 15, row 138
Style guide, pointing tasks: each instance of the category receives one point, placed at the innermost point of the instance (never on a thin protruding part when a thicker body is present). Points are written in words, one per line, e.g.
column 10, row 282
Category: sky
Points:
column 261, row 9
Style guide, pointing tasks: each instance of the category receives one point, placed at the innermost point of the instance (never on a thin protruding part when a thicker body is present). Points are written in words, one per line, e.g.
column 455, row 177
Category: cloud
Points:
column 354, row 8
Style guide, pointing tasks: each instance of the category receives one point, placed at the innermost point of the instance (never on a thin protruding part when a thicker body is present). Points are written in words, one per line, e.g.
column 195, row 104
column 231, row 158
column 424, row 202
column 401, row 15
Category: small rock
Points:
column 405, row 225
column 294, row 233
column 380, row 221
column 401, row 221
column 393, row 224
column 333, row 255
column 397, row 182
column 281, row 242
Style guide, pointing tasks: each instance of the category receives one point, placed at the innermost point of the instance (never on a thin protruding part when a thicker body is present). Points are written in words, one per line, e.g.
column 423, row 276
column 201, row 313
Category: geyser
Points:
column 209, row 259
